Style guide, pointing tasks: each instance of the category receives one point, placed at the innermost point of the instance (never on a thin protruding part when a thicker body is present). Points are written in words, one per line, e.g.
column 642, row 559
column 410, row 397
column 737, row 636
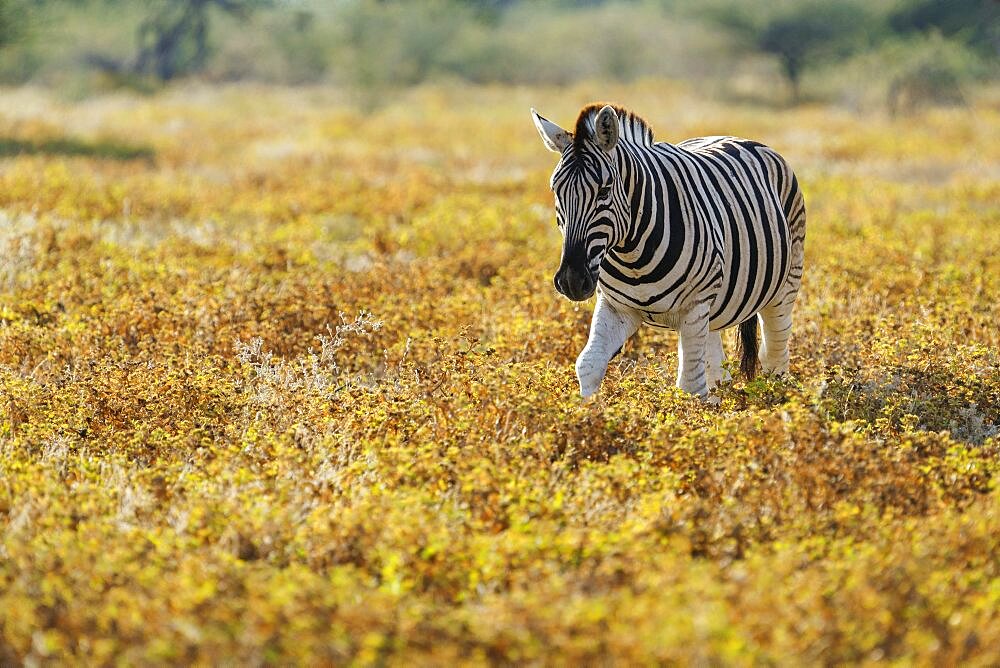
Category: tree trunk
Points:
column 793, row 71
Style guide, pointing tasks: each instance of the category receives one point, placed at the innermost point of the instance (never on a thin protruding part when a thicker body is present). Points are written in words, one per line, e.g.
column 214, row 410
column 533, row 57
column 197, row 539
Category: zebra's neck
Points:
column 651, row 187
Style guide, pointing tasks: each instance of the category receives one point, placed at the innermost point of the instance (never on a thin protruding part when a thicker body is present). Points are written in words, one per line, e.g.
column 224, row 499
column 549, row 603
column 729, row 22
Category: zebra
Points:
column 695, row 237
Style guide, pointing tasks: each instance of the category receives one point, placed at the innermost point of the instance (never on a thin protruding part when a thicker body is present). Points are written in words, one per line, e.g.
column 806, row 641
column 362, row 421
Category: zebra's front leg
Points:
column 691, row 344
column 609, row 330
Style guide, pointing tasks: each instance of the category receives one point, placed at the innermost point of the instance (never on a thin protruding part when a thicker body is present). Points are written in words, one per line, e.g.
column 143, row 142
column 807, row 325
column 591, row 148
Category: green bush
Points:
column 930, row 71
column 397, row 43
column 904, row 75
column 531, row 43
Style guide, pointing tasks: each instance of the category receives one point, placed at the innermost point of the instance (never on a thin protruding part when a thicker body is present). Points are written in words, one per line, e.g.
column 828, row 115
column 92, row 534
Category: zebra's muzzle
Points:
column 574, row 284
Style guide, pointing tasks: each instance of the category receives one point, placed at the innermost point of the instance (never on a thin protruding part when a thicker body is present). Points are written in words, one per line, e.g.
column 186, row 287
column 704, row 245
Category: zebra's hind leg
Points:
column 714, row 357
column 776, row 325
column 609, row 330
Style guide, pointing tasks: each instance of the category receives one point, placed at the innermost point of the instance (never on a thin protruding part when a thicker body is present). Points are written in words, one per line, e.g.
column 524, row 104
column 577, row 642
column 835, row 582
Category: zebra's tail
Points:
column 748, row 345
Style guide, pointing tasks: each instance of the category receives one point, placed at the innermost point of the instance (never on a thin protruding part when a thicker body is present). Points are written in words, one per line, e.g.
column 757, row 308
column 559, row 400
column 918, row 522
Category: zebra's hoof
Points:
column 589, row 384
column 589, row 389
column 590, row 376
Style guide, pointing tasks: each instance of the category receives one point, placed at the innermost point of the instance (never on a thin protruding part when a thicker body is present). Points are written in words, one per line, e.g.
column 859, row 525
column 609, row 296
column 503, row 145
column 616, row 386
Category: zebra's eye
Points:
column 603, row 192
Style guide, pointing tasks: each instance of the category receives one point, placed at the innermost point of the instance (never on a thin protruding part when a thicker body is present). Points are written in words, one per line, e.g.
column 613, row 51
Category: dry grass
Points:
column 298, row 389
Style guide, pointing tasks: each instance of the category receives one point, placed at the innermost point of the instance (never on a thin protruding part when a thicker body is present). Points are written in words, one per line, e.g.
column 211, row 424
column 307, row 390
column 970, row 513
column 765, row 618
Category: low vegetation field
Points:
column 284, row 379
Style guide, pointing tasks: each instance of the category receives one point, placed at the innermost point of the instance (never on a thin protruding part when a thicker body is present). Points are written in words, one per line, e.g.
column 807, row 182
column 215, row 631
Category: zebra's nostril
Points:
column 572, row 283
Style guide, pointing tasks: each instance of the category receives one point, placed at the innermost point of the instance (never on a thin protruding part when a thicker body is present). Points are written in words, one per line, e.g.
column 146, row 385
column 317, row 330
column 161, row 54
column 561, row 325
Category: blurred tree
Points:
column 975, row 22
column 798, row 34
column 174, row 39
column 12, row 21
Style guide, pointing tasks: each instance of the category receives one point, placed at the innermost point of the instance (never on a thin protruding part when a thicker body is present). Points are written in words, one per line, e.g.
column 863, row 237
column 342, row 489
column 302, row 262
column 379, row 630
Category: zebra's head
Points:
column 591, row 204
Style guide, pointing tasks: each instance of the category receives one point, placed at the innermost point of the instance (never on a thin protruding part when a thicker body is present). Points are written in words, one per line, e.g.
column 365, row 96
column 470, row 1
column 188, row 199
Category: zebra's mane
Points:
column 633, row 128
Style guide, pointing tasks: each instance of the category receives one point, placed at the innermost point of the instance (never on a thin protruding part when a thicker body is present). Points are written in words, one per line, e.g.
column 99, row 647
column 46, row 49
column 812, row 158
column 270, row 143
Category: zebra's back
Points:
column 760, row 221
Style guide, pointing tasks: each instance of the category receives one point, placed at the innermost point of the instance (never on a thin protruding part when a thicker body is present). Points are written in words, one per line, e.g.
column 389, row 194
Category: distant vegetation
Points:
column 903, row 53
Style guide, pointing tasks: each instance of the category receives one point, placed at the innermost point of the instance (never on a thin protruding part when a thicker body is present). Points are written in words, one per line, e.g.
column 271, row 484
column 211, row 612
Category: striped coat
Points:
column 696, row 237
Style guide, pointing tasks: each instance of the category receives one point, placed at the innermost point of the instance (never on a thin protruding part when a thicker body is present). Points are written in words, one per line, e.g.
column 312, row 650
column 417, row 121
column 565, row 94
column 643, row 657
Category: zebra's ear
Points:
column 606, row 128
column 554, row 137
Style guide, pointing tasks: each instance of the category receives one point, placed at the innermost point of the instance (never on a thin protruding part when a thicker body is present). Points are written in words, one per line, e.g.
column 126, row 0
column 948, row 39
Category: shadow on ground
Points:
column 105, row 150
